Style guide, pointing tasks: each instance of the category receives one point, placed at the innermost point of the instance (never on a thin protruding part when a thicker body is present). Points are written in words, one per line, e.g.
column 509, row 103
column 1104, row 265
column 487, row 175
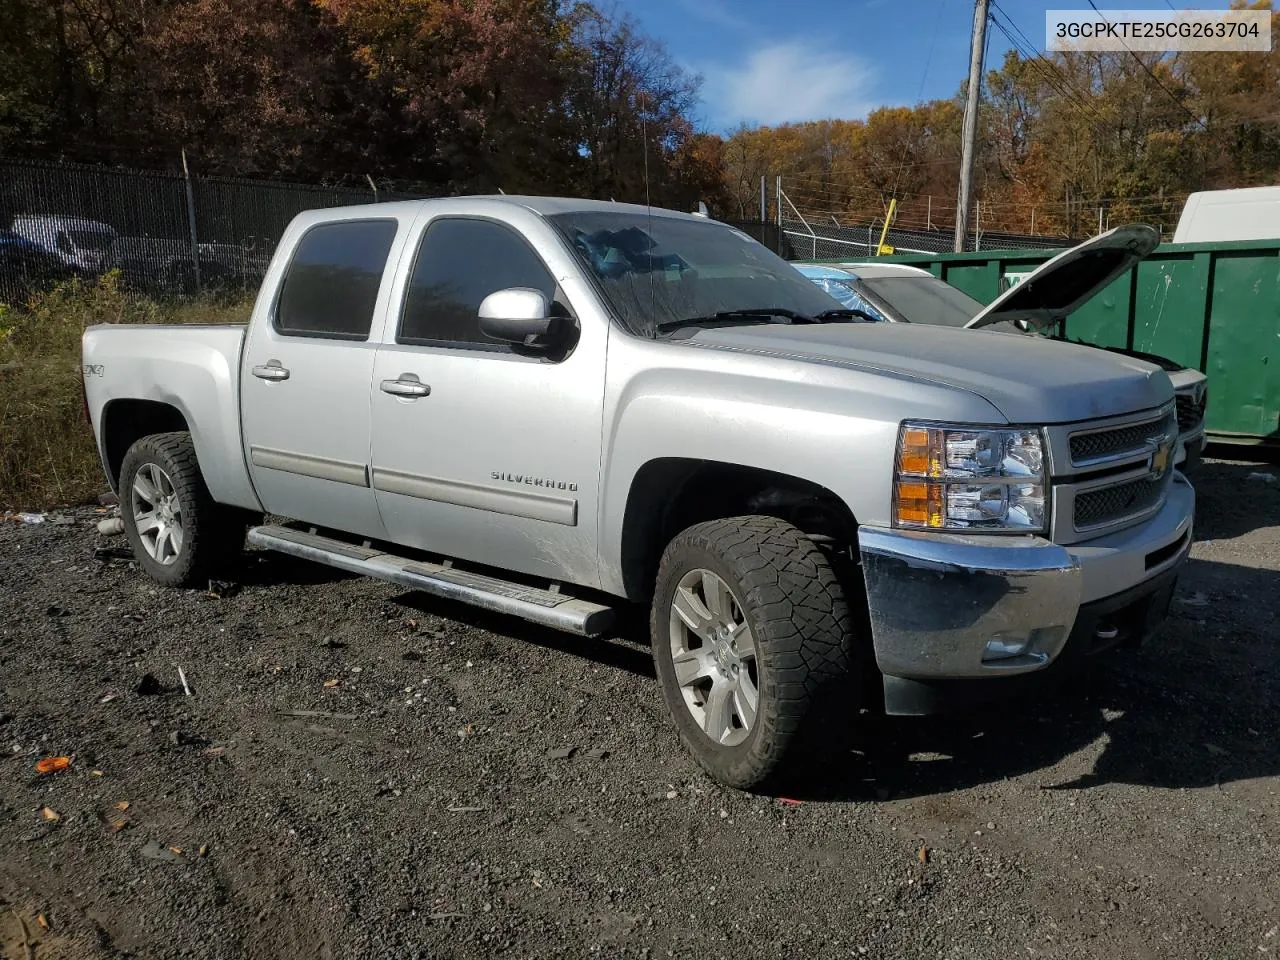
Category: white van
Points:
column 80, row 244
column 1250, row 213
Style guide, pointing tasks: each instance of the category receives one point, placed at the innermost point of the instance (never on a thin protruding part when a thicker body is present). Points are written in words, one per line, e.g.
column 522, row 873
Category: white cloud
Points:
column 715, row 12
column 785, row 83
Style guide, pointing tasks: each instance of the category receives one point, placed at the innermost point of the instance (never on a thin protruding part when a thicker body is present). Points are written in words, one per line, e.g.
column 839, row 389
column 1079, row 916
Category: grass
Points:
column 47, row 454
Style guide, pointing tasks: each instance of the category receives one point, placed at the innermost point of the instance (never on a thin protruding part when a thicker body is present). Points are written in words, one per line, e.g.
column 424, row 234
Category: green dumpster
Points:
column 1211, row 306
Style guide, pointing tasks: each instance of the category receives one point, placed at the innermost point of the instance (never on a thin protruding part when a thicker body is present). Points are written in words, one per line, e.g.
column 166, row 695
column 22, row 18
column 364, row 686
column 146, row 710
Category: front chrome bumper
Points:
column 951, row 606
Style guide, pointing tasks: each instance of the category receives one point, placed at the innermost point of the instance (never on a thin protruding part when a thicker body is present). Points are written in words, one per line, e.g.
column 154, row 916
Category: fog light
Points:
column 1004, row 648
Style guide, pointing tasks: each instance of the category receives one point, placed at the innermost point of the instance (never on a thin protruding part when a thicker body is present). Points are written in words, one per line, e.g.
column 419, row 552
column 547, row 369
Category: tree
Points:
column 480, row 86
column 629, row 104
column 63, row 66
column 255, row 88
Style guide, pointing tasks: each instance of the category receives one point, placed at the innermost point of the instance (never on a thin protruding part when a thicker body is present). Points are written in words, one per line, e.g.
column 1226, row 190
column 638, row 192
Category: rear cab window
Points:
column 331, row 285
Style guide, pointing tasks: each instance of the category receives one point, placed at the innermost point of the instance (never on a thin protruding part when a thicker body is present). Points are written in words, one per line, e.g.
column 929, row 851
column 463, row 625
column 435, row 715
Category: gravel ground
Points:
column 426, row 807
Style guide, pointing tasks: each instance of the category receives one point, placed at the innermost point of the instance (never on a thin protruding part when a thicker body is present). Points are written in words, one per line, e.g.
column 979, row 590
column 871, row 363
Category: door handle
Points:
column 271, row 370
column 407, row 385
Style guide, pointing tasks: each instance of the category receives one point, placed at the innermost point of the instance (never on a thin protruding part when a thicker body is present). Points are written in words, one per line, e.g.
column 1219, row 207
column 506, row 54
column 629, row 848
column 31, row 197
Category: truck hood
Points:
column 1028, row 379
column 1061, row 284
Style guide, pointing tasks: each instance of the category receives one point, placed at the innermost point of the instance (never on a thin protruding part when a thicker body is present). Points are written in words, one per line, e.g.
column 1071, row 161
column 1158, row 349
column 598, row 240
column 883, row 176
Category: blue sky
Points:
column 775, row 61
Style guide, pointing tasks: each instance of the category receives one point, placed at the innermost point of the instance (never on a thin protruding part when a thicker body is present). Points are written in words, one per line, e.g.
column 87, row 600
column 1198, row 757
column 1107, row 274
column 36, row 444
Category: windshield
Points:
column 661, row 270
column 847, row 293
column 925, row 300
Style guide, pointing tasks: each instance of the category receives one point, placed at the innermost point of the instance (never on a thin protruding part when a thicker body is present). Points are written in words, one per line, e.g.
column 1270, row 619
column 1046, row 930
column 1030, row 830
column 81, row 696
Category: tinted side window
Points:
column 459, row 263
column 331, row 284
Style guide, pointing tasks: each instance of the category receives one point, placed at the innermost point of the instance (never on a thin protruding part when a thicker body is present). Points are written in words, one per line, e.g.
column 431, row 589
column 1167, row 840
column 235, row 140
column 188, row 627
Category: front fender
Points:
column 836, row 428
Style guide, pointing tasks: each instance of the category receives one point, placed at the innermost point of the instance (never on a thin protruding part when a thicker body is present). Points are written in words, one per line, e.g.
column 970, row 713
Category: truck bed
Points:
column 191, row 368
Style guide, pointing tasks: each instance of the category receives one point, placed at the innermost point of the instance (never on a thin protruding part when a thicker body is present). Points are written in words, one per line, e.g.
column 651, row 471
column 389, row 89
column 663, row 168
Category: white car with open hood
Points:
column 559, row 409
column 899, row 293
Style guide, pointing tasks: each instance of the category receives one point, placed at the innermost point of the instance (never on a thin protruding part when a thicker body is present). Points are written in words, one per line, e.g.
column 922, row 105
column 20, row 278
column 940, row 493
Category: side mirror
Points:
column 522, row 316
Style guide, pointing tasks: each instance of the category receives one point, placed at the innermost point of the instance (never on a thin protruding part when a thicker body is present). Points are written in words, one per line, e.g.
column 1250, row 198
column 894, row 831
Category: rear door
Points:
column 307, row 371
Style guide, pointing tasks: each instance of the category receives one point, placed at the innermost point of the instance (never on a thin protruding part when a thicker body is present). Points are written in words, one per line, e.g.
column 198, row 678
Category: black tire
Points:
column 784, row 589
column 212, row 534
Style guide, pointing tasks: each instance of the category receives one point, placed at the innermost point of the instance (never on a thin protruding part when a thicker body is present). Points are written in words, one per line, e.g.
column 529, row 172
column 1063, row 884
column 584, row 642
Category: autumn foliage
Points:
column 434, row 95
column 553, row 96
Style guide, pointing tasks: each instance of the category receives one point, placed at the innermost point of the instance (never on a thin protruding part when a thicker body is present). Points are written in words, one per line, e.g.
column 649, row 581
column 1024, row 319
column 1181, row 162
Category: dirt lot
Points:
column 424, row 811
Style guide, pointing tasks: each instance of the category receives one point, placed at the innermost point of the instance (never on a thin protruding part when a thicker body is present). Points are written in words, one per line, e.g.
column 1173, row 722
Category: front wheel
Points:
column 179, row 534
column 751, row 632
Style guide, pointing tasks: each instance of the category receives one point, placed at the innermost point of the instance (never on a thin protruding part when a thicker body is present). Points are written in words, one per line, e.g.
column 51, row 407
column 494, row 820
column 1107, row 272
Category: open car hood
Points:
column 1060, row 285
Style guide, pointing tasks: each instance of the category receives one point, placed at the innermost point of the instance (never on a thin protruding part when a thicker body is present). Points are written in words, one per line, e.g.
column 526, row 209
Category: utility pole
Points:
column 971, row 121
column 191, row 224
column 778, row 201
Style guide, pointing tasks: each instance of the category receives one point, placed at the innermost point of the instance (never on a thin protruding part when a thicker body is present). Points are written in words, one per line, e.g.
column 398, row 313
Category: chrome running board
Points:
column 547, row 607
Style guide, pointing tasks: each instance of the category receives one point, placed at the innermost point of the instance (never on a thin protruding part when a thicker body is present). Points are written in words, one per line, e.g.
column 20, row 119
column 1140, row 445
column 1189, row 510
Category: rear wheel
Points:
column 751, row 633
column 179, row 535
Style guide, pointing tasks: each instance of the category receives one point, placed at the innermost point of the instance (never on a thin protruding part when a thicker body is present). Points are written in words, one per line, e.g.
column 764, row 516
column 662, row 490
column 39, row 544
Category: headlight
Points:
column 969, row 478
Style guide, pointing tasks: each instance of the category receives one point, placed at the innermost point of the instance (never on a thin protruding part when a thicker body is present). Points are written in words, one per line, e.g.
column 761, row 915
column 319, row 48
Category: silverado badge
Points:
column 533, row 481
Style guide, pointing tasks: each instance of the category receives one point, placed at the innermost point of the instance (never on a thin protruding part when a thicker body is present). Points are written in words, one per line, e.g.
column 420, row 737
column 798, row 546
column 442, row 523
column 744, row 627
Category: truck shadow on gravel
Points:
column 625, row 648
column 1189, row 710
column 266, row 568
column 1234, row 498
column 1193, row 708
column 1138, row 747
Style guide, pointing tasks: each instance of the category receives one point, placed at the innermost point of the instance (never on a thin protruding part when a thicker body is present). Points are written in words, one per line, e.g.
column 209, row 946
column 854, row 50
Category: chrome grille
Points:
column 1113, row 503
column 1132, row 438
column 1110, row 474
column 1190, row 412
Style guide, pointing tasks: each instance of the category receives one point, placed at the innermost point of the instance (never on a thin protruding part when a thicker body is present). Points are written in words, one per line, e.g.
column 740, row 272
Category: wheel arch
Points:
column 669, row 494
column 125, row 421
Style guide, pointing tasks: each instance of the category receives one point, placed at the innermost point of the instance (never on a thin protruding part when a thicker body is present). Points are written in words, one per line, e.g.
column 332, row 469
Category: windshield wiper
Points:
column 762, row 312
column 844, row 313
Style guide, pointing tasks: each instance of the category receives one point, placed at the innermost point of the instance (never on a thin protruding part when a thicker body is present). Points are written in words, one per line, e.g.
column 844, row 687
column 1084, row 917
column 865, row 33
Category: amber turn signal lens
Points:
column 916, row 455
column 919, row 503
column 915, row 437
column 914, row 462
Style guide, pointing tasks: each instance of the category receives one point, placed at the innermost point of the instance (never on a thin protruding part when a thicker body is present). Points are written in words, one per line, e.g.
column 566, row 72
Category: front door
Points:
column 479, row 451
column 307, row 372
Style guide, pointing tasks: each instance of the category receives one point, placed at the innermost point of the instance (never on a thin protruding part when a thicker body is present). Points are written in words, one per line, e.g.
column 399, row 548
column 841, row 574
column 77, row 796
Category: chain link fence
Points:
column 166, row 234
column 818, row 242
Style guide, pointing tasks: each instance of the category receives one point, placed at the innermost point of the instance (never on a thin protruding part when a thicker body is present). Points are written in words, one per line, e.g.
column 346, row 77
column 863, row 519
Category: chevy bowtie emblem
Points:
column 1160, row 460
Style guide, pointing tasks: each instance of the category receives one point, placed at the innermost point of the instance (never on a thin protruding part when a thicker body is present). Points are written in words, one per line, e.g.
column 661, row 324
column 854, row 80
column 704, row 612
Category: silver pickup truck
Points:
column 558, row 408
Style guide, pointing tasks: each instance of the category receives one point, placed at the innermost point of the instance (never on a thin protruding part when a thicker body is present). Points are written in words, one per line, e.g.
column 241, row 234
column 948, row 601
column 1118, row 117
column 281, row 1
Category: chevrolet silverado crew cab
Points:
column 555, row 408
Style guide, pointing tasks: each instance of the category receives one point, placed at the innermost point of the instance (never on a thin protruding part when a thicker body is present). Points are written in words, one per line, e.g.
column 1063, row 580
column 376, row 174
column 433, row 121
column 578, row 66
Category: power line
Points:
column 838, row 193
column 924, row 75
column 914, row 212
column 1055, row 79
column 1051, row 73
column 1154, row 78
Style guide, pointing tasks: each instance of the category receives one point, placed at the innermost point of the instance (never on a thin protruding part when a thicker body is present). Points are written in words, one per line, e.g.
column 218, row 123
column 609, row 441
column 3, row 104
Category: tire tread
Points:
column 213, row 534
column 803, row 625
